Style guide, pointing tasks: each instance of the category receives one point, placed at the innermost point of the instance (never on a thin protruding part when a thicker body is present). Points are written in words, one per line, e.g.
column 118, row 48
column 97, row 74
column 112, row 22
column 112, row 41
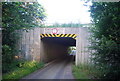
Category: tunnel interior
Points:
column 66, row 41
column 57, row 47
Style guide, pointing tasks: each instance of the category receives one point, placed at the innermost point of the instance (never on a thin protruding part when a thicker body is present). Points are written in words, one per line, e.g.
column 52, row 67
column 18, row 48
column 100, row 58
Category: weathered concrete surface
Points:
column 33, row 48
column 82, row 42
column 29, row 44
column 82, row 54
column 67, row 30
column 61, row 69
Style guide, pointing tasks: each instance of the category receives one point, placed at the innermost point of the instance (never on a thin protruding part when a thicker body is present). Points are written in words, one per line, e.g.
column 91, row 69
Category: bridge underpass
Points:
column 57, row 47
column 46, row 44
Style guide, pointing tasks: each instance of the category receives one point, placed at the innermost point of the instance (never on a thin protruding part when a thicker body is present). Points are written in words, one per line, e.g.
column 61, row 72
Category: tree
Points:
column 16, row 16
column 106, row 36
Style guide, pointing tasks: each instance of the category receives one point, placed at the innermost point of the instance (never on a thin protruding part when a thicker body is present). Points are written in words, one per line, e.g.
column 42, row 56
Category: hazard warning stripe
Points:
column 66, row 35
column 48, row 35
column 58, row 35
column 74, row 36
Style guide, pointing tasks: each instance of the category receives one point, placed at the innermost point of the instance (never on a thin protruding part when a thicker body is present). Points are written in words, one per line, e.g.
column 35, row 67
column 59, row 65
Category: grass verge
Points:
column 85, row 72
column 25, row 69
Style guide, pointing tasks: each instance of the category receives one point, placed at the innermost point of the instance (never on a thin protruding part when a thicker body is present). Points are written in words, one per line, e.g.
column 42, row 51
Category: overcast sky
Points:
column 65, row 11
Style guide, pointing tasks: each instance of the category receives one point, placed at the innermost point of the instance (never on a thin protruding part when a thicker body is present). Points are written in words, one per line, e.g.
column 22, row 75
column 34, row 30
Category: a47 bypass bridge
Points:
column 49, row 44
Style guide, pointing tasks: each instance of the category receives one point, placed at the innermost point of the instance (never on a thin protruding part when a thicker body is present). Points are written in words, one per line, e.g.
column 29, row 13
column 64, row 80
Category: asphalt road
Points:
column 60, row 69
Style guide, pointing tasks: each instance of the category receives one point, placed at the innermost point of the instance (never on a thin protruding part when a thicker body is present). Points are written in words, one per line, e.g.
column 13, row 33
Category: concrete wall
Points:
column 67, row 30
column 32, row 48
column 82, row 52
column 29, row 44
column 82, row 42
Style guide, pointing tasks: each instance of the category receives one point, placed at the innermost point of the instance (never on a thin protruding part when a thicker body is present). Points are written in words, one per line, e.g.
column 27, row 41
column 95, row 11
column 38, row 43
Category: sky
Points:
column 65, row 11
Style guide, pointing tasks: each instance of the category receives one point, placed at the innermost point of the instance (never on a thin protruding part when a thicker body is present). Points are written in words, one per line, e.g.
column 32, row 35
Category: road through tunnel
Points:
column 56, row 47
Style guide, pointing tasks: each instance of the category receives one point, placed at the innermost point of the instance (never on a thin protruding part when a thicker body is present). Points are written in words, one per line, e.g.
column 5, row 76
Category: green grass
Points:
column 85, row 72
column 25, row 69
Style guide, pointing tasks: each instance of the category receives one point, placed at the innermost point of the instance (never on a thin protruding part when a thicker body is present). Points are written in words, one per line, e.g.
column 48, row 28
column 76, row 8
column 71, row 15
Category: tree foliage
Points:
column 20, row 15
column 16, row 16
column 106, row 37
column 70, row 25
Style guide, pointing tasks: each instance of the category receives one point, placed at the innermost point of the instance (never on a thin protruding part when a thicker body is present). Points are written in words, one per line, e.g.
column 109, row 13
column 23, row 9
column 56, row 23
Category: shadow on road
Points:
column 60, row 69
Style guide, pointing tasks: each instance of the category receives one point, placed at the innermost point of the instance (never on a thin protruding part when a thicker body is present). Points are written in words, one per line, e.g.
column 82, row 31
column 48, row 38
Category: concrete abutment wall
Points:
column 82, row 51
column 33, row 48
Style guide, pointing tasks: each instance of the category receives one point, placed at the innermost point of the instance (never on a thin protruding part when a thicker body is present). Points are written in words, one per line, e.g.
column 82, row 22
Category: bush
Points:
column 85, row 72
column 24, row 69
column 106, row 38
column 17, row 16
column 7, row 58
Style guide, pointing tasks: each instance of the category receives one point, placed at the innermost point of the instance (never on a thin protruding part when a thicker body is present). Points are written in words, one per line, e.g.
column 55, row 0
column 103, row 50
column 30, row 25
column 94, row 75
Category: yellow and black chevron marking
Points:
column 58, row 35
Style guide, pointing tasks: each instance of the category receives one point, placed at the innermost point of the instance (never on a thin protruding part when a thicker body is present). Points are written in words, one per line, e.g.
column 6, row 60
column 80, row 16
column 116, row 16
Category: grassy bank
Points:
column 23, row 70
column 85, row 72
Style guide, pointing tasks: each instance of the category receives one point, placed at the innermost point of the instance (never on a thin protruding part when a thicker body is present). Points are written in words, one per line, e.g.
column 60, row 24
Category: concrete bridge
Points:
column 47, row 44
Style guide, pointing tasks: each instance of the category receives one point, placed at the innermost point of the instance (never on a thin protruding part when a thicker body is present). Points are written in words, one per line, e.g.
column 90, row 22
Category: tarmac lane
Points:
column 60, row 69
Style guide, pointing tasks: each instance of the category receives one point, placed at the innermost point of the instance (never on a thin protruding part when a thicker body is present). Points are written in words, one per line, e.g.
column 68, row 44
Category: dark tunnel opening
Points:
column 68, row 41
column 57, row 48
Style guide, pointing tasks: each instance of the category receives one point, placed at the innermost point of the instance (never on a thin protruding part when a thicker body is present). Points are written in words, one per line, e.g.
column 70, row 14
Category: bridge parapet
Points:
column 67, row 30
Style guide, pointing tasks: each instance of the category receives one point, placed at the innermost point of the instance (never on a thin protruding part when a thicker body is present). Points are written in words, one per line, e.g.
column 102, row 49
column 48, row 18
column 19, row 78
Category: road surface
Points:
column 60, row 69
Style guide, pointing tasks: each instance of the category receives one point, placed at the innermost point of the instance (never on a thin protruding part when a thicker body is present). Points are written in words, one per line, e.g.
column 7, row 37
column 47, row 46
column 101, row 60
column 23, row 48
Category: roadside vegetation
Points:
column 86, row 72
column 23, row 69
column 69, row 25
column 18, row 16
column 106, row 38
column 105, row 43
column 70, row 49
